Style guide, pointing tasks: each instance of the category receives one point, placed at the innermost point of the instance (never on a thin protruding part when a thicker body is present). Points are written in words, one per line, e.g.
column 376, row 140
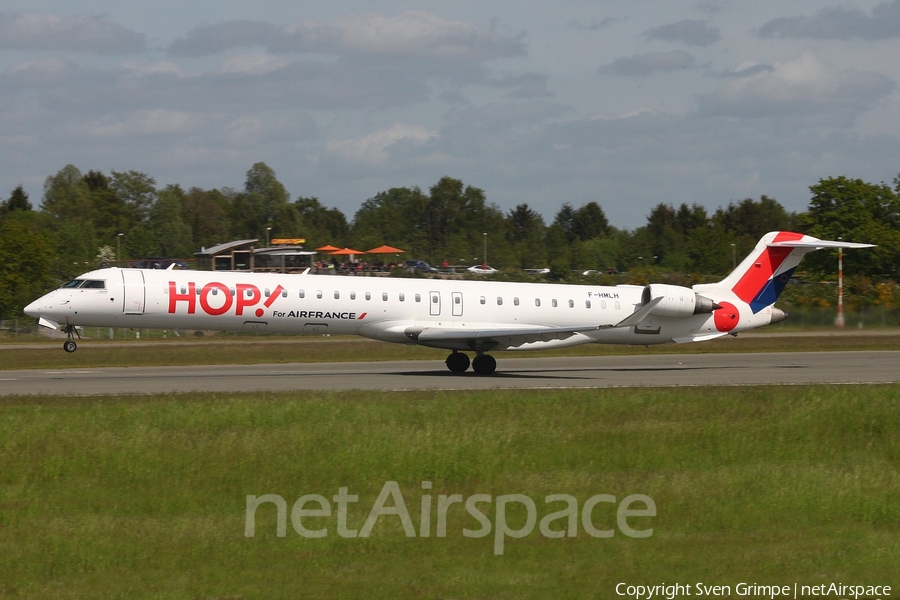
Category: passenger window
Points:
column 499, row 301
column 267, row 292
column 618, row 306
column 516, row 301
column 402, row 297
column 368, row 295
column 587, row 303
column 303, row 293
column 353, row 295
column 384, row 296
column 482, row 300
column 537, row 301
column 231, row 292
column 554, row 303
column 284, row 293
column 571, row 304
column 183, row 290
column 418, row 297
column 319, row 294
column 603, row 304
column 337, row 295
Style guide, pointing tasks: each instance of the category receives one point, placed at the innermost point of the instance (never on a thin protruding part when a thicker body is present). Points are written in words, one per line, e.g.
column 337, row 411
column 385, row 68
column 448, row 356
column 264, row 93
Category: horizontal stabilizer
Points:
column 814, row 243
column 637, row 316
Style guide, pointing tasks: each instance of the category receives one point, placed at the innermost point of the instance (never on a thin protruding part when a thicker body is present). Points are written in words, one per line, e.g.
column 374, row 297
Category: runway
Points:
column 513, row 372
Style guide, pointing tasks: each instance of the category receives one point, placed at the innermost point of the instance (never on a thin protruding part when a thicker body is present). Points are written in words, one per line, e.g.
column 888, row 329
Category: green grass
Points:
column 144, row 497
column 316, row 349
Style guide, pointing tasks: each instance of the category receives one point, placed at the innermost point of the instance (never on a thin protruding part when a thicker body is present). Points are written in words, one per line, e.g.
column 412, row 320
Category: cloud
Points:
column 803, row 88
column 642, row 65
column 839, row 24
column 79, row 33
column 594, row 24
column 374, row 148
column 688, row 31
column 747, row 69
column 213, row 39
column 413, row 34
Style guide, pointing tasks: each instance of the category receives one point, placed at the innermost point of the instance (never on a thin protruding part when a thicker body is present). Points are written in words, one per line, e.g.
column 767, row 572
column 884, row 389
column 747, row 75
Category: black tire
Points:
column 457, row 362
column 70, row 346
column 484, row 364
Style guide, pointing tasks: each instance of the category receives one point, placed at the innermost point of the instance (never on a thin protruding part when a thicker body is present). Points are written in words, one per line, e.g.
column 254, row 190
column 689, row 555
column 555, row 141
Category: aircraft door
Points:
column 133, row 293
column 434, row 304
column 457, row 299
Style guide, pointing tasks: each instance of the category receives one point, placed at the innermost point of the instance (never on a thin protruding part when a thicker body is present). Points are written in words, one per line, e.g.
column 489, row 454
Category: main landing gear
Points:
column 483, row 364
column 69, row 345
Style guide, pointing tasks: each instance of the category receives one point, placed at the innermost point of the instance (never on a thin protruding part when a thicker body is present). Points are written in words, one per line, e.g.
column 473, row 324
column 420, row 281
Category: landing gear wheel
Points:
column 69, row 345
column 484, row 364
column 457, row 362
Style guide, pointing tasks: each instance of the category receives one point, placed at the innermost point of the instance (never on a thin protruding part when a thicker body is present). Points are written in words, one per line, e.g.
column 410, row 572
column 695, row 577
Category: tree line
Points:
column 85, row 219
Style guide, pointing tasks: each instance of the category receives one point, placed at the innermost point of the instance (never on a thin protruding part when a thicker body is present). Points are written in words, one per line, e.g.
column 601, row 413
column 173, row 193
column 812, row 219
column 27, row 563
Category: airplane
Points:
column 457, row 315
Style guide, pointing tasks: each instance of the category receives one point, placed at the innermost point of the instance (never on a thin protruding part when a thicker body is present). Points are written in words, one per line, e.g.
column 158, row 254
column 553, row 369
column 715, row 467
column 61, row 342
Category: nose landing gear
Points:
column 483, row 364
column 69, row 345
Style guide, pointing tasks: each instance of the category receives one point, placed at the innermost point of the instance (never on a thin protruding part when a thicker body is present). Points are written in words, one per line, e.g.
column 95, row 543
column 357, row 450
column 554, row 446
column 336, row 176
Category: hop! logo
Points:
column 217, row 299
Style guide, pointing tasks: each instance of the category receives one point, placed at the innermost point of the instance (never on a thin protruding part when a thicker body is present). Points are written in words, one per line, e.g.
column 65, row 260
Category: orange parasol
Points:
column 385, row 250
column 345, row 251
column 328, row 248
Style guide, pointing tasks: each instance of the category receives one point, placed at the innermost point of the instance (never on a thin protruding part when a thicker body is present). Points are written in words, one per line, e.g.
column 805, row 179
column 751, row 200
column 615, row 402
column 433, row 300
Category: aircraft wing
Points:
column 523, row 335
column 516, row 336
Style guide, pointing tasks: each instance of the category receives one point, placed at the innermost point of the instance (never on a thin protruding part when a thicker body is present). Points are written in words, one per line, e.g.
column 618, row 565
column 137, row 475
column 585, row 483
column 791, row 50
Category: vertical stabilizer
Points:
column 762, row 275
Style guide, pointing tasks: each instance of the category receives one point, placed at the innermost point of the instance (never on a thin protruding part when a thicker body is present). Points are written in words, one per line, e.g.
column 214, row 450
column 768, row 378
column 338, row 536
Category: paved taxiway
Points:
column 513, row 372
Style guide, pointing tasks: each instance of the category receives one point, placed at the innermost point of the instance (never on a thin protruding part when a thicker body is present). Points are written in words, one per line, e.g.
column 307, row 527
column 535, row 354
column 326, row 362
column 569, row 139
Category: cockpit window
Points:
column 96, row 284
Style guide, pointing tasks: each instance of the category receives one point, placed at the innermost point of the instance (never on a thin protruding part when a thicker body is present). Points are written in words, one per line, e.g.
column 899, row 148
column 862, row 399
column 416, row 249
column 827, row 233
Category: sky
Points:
column 625, row 103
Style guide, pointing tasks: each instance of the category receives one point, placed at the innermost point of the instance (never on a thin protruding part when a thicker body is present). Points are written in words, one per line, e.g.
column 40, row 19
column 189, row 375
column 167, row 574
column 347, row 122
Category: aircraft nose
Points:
column 34, row 309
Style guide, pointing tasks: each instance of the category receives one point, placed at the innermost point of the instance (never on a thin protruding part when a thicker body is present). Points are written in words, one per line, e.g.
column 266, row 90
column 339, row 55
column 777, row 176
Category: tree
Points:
column 565, row 219
column 206, row 213
column 172, row 235
column 18, row 200
column 525, row 232
column 26, row 257
column 589, row 222
column 395, row 217
column 137, row 191
column 321, row 225
column 263, row 200
column 855, row 211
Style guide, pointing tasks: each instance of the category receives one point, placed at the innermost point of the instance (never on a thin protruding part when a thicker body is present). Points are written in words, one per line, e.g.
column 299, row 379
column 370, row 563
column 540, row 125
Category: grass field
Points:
column 317, row 349
column 145, row 497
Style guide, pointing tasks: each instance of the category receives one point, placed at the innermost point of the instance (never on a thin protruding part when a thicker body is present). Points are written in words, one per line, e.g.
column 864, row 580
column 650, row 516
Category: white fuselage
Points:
column 383, row 308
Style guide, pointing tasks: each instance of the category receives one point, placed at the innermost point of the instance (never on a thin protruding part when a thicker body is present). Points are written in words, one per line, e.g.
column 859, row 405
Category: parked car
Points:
column 481, row 270
column 419, row 265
